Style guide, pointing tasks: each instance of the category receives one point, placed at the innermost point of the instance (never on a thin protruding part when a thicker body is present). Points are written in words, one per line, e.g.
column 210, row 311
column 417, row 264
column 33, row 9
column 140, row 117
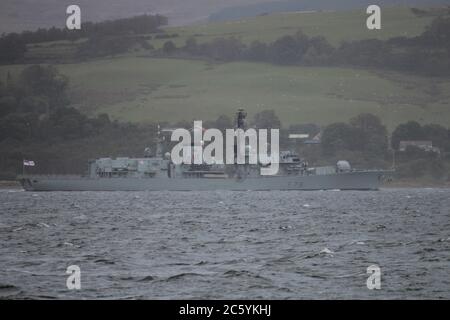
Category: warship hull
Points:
column 360, row 180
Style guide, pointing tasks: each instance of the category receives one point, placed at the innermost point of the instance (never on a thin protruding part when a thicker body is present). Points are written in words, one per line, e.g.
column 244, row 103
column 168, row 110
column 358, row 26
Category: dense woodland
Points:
column 14, row 45
column 427, row 54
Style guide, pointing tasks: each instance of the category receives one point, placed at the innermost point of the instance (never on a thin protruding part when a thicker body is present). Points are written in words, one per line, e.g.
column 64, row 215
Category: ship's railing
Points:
column 373, row 170
column 329, row 170
column 51, row 176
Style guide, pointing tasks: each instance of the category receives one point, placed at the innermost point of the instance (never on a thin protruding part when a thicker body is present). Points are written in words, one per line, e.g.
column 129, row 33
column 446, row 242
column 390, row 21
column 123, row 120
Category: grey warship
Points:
column 157, row 172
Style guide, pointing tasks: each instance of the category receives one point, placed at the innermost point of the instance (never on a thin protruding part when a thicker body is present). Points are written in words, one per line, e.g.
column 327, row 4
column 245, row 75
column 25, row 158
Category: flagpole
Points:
column 23, row 167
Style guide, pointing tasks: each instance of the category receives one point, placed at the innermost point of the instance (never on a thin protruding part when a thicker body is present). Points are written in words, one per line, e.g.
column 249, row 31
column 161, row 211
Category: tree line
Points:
column 428, row 53
column 36, row 122
column 14, row 45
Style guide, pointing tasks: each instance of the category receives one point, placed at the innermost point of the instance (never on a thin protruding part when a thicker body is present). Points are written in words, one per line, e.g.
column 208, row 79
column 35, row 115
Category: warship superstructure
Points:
column 157, row 172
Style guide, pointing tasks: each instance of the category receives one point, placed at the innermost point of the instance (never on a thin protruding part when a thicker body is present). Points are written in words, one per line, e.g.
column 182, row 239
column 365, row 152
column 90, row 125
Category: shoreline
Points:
column 8, row 184
column 404, row 184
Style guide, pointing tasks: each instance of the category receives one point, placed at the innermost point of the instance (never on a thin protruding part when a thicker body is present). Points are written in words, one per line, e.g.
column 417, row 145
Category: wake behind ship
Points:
column 158, row 172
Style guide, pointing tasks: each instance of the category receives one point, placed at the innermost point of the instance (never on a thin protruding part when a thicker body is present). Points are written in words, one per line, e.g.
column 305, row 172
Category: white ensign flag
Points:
column 29, row 163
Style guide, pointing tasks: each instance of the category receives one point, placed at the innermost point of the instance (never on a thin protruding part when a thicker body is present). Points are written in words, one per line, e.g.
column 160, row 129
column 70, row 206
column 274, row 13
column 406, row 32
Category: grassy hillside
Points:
column 139, row 89
column 145, row 89
column 335, row 26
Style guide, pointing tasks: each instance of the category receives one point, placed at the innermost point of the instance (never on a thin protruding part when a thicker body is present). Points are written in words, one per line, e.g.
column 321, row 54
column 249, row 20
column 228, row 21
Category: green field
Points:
column 335, row 26
column 140, row 89
column 145, row 89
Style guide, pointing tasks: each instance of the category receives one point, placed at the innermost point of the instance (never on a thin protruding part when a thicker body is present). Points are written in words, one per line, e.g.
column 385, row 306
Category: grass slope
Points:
column 335, row 26
column 144, row 89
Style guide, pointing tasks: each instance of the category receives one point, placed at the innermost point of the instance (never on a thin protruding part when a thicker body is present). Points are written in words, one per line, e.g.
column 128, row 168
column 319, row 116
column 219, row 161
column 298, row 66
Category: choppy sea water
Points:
column 225, row 245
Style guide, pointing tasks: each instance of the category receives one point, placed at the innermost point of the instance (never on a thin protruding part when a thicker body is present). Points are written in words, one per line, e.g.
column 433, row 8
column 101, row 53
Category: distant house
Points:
column 315, row 140
column 298, row 136
column 424, row 145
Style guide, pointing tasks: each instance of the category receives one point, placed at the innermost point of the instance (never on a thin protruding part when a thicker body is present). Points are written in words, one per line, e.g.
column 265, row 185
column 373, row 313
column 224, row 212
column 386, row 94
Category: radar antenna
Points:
column 240, row 119
column 159, row 143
